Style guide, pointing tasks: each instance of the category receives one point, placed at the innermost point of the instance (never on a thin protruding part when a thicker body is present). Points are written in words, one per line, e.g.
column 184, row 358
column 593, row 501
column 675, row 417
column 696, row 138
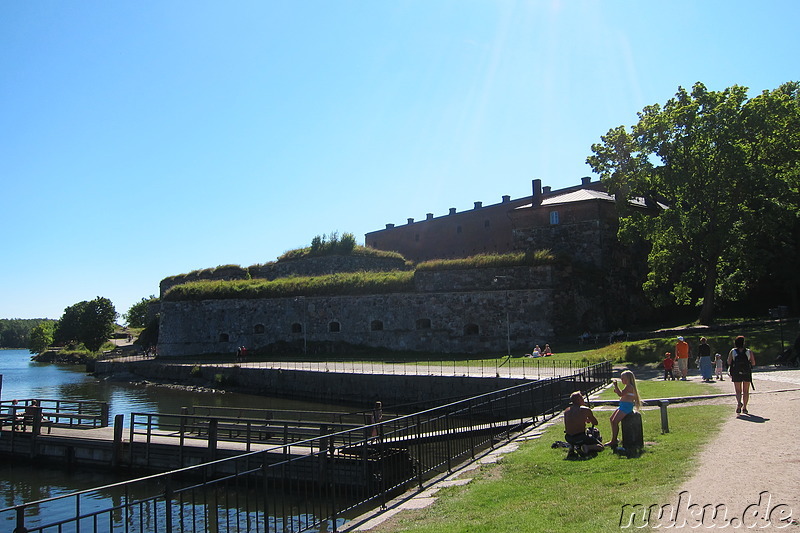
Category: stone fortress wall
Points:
column 451, row 312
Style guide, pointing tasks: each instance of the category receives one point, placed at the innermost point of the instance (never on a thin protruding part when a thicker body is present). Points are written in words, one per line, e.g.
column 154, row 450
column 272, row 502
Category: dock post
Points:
column 116, row 451
column 212, row 439
column 104, row 415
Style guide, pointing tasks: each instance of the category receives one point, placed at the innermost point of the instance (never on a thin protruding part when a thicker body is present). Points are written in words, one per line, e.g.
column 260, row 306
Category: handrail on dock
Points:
column 61, row 413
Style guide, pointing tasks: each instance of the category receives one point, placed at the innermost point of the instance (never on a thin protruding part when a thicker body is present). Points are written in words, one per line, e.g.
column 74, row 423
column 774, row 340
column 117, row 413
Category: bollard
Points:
column 664, row 417
column 632, row 436
column 116, row 450
column 212, row 439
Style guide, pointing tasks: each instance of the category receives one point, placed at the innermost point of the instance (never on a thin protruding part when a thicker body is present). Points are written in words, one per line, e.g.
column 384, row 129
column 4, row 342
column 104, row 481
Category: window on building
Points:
column 471, row 329
column 376, row 325
column 258, row 329
column 297, row 327
column 423, row 323
column 553, row 217
column 334, row 327
column 224, row 337
column 458, row 229
column 416, row 237
column 486, row 223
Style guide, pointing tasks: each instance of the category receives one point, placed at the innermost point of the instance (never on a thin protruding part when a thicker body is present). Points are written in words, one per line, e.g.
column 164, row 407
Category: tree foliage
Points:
column 136, row 317
column 16, row 332
column 90, row 323
column 41, row 337
column 725, row 169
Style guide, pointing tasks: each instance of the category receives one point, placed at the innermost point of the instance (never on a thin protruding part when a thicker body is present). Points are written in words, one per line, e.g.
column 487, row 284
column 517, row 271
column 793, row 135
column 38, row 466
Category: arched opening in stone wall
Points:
column 334, row 327
column 297, row 327
column 376, row 325
column 258, row 329
column 472, row 329
column 224, row 337
column 423, row 323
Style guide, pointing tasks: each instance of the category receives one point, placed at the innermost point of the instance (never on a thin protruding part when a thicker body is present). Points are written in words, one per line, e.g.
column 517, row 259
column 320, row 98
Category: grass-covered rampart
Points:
column 340, row 284
column 349, row 283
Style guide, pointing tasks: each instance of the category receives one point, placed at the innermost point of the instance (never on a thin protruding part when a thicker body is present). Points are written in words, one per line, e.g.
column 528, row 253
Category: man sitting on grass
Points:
column 576, row 416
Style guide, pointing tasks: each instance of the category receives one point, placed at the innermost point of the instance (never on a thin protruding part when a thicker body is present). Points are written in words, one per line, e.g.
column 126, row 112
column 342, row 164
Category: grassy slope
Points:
column 536, row 489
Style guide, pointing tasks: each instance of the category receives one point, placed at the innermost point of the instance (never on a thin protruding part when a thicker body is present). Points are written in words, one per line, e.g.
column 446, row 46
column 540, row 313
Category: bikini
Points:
column 626, row 406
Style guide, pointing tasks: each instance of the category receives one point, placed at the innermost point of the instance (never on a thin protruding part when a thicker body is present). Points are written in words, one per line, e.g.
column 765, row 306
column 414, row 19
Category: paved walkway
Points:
column 752, row 466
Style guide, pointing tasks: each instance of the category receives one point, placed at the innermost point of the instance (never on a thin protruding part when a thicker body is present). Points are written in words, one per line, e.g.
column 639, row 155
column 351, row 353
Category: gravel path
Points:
column 752, row 467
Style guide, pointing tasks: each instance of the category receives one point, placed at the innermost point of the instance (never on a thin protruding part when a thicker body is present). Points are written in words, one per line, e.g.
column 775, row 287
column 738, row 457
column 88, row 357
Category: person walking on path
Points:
column 682, row 357
column 740, row 365
column 718, row 366
column 704, row 354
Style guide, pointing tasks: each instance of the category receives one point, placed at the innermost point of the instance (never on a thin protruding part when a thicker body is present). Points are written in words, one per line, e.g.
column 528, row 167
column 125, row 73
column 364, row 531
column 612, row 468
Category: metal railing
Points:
column 59, row 413
column 310, row 485
column 506, row 367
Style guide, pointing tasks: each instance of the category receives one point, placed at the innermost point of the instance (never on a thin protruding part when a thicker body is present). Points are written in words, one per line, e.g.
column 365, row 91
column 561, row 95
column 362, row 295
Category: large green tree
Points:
column 97, row 325
column 721, row 172
column 136, row 317
column 91, row 323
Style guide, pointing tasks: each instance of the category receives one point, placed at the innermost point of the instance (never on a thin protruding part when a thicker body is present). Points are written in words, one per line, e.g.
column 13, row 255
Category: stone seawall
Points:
column 348, row 388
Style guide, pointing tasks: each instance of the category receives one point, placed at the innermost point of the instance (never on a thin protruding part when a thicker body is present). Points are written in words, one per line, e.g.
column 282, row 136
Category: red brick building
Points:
column 497, row 228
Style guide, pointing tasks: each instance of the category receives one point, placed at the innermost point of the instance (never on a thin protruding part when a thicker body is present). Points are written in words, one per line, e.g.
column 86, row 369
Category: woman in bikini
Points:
column 628, row 401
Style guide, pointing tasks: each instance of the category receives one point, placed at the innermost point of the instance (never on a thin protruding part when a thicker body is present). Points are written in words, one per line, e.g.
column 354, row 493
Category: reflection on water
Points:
column 21, row 483
column 23, row 378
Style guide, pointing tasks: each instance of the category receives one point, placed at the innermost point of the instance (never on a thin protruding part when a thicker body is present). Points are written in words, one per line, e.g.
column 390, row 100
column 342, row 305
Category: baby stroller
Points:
column 788, row 357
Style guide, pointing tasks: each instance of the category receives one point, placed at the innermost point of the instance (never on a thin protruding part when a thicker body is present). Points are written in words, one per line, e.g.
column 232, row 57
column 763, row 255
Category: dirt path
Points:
column 752, row 467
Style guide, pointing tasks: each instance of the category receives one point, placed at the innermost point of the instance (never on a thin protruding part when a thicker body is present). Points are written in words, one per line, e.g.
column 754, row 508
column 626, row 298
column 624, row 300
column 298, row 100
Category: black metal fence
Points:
column 315, row 484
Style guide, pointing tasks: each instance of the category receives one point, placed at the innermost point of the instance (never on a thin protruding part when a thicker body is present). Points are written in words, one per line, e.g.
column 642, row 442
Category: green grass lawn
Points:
column 663, row 389
column 536, row 489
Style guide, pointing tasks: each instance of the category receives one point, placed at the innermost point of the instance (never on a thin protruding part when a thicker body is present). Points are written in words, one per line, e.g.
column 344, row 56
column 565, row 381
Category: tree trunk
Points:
column 707, row 311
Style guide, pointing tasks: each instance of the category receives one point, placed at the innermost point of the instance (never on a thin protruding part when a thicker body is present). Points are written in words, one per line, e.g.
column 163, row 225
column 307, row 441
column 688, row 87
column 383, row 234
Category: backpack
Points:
column 741, row 359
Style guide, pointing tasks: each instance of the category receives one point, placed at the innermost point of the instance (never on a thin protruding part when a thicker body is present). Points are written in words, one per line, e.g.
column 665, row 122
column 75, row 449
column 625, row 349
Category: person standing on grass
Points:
column 682, row 357
column 740, row 365
column 628, row 401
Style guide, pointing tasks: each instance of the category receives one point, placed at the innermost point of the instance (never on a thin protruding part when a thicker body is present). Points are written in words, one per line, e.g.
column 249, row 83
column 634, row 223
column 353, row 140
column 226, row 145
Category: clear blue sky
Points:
column 140, row 140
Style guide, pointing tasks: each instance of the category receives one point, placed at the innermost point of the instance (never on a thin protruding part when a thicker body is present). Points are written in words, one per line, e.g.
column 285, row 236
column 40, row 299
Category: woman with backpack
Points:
column 740, row 364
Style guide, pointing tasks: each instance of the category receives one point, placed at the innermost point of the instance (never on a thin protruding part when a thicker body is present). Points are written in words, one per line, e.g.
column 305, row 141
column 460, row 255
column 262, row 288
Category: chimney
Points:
column 537, row 191
column 546, row 190
column 410, row 220
column 429, row 216
column 506, row 198
column 389, row 226
column 452, row 210
column 478, row 205
column 586, row 180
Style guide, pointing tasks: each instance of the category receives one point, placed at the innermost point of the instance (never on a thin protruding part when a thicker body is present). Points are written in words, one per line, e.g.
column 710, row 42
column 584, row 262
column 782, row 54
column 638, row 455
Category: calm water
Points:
column 23, row 378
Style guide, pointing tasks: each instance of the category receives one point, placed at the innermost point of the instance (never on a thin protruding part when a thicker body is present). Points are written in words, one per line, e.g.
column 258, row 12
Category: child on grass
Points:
column 718, row 361
column 668, row 362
